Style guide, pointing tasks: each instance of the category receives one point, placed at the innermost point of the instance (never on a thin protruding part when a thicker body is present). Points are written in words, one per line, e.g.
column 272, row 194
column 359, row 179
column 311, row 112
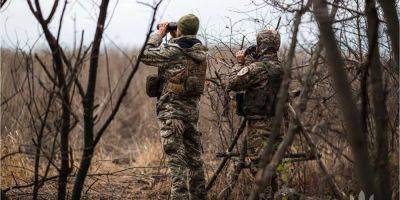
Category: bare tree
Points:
column 66, row 73
column 356, row 136
column 382, row 190
column 344, row 118
column 59, row 69
column 91, row 139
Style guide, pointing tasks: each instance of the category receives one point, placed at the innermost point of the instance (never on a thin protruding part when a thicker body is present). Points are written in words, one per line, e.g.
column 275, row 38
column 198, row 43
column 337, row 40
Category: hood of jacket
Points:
column 268, row 42
column 191, row 46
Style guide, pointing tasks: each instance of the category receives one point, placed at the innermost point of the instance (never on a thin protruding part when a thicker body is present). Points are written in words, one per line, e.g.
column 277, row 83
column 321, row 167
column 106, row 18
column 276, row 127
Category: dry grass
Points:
column 13, row 167
column 133, row 137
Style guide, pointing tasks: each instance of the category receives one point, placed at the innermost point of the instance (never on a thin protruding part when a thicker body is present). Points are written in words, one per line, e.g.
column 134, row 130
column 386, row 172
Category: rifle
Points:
column 225, row 159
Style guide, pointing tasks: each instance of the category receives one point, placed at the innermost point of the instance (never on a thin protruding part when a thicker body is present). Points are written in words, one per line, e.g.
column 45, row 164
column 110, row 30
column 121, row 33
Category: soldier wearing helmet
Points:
column 258, row 84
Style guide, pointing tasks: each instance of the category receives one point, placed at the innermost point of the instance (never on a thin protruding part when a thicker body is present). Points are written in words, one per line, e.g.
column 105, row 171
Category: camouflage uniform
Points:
column 260, row 81
column 178, row 113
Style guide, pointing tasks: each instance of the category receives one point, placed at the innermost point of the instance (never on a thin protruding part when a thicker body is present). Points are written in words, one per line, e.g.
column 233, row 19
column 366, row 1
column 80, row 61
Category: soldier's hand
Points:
column 225, row 85
column 162, row 29
column 241, row 57
column 173, row 33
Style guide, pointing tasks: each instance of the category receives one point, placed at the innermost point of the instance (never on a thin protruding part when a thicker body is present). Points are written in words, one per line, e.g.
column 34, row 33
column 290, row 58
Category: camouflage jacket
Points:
column 254, row 75
column 260, row 81
column 171, row 59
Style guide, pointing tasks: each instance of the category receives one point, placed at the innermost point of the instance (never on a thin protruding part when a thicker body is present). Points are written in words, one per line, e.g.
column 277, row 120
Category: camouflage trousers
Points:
column 182, row 146
column 258, row 133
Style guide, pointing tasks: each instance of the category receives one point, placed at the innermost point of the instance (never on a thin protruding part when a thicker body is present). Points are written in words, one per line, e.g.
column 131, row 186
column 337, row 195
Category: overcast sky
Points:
column 129, row 20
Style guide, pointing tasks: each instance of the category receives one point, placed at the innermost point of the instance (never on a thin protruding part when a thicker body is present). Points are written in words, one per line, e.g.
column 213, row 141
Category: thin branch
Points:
column 265, row 155
column 357, row 138
column 128, row 81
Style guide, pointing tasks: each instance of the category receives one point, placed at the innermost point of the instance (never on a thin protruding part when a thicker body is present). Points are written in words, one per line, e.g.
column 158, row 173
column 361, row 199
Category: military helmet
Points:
column 188, row 24
column 268, row 41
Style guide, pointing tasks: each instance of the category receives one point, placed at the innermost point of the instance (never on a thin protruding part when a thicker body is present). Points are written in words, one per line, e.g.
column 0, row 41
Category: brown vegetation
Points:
column 128, row 161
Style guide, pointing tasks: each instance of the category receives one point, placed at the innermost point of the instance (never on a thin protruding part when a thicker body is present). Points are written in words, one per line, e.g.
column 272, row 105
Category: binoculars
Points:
column 171, row 26
column 251, row 51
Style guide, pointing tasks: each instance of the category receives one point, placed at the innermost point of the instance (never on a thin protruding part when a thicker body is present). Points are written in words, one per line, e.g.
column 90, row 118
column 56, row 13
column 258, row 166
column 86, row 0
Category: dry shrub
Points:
column 133, row 135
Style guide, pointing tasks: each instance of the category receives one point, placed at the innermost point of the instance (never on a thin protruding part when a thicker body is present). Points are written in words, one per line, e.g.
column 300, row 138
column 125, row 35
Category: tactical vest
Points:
column 260, row 101
column 189, row 81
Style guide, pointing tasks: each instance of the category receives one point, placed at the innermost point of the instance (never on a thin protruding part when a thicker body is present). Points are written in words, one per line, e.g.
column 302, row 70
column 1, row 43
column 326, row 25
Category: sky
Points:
column 128, row 20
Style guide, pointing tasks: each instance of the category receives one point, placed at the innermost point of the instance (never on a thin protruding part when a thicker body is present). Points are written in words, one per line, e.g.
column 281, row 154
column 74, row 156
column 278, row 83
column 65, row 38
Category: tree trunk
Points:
column 382, row 190
column 356, row 137
column 83, row 170
column 392, row 20
column 88, row 104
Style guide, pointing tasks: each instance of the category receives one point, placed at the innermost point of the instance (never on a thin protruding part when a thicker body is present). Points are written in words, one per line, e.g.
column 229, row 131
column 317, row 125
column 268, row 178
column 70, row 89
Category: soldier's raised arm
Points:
column 243, row 76
column 266, row 67
column 156, row 55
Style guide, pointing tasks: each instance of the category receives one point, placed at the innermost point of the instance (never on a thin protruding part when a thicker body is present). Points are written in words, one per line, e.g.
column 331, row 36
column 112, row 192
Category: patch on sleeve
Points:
column 243, row 71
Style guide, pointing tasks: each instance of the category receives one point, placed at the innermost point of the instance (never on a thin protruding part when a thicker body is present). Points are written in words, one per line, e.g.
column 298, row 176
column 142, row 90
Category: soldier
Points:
column 260, row 82
column 181, row 74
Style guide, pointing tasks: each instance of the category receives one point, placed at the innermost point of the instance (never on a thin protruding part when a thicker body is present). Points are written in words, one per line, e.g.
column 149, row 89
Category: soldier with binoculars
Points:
column 178, row 86
column 257, row 84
